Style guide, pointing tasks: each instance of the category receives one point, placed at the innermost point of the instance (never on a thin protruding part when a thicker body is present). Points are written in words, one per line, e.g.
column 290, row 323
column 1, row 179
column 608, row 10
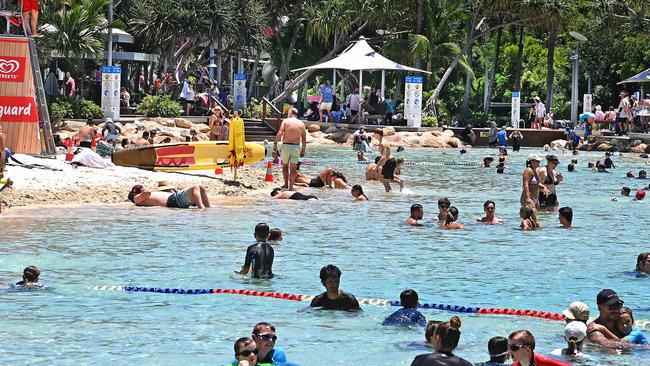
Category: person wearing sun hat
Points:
column 577, row 311
column 532, row 183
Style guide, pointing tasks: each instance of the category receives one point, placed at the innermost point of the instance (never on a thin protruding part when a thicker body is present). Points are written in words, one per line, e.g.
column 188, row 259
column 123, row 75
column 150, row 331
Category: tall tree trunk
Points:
column 495, row 65
column 520, row 54
column 486, row 76
column 468, row 76
column 252, row 87
column 550, row 65
column 419, row 24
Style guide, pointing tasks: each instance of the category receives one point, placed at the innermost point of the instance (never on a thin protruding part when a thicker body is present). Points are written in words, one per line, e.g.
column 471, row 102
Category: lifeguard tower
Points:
column 24, row 117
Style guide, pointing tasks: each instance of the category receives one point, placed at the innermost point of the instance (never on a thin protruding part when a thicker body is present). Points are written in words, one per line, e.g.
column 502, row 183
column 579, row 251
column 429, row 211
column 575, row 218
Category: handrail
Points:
column 266, row 101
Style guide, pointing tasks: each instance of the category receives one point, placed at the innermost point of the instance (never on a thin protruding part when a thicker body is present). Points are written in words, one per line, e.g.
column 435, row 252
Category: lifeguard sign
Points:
column 19, row 116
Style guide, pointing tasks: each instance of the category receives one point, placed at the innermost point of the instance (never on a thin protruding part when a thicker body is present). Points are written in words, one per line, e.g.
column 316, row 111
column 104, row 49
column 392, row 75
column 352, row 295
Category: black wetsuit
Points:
column 259, row 257
column 388, row 170
column 609, row 164
column 317, row 182
column 301, row 197
column 345, row 301
column 439, row 359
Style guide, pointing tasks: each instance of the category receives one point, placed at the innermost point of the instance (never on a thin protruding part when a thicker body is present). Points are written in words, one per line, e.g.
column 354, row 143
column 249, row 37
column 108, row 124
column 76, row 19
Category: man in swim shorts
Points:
column 389, row 173
column 293, row 134
column 333, row 298
column 417, row 212
column 643, row 263
column 259, row 256
column 288, row 195
column 185, row 198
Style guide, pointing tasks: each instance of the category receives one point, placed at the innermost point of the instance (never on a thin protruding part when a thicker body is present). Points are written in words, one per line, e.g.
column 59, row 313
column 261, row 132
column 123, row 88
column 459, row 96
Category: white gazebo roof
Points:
column 361, row 57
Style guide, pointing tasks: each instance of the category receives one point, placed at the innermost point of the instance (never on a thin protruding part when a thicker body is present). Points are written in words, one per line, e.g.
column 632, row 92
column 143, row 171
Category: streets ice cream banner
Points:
column 12, row 69
column 18, row 109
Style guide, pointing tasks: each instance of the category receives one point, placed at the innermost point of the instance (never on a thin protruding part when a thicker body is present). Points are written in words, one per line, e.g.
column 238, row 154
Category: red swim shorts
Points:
column 29, row 5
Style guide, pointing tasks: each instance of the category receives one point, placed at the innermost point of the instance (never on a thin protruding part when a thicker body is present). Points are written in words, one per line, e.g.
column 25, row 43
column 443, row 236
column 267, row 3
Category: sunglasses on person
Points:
column 490, row 208
column 268, row 337
column 516, row 347
column 443, row 206
column 248, row 352
column 616, row 306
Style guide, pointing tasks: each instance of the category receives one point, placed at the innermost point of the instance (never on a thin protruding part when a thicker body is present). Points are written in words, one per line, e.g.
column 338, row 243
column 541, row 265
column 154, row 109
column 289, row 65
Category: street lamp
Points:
column 110, row 34
column 574, row 80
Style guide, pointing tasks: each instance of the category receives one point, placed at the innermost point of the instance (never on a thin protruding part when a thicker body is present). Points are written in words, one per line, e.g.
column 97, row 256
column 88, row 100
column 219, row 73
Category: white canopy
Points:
column 361, row 57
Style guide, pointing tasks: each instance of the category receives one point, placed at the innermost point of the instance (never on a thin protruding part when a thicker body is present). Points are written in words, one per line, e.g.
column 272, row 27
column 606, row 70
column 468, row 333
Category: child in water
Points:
column 625, row 325
column 30, row 278
column 275, row 235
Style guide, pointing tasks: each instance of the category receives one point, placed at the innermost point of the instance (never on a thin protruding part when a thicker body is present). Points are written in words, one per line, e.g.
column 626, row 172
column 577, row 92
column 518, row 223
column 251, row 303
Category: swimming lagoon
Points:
column 481, row 266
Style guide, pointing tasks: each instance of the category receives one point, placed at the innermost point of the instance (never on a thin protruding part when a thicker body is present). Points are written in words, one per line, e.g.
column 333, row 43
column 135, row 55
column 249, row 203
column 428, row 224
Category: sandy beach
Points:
column 82, row 185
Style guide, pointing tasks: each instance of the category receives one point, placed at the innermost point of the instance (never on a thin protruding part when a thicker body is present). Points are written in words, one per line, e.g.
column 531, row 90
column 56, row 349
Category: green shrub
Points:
column 429, row 121
column 84, row 109
column 159, row 106
column 60, row 109
column 252, row 110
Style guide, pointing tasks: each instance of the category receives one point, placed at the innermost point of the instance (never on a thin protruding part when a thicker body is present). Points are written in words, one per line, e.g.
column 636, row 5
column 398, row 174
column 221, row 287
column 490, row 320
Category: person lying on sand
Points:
column 290, row 195
column 194, row 195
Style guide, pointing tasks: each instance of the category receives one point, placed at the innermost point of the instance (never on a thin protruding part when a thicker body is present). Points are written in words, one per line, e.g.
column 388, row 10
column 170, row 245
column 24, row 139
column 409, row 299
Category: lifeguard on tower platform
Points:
column 24, row 117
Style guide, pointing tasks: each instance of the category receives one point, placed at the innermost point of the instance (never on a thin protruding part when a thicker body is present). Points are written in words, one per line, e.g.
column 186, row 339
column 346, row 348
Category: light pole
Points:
column 109, row 61
column 574, row 81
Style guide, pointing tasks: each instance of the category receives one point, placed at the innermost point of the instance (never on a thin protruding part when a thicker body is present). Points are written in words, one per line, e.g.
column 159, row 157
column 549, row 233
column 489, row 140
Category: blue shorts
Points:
column 180, row 199
column 111, row 136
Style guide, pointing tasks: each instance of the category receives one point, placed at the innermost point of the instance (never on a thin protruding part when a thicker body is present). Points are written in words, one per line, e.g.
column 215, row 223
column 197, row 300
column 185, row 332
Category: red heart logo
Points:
column 9, row 66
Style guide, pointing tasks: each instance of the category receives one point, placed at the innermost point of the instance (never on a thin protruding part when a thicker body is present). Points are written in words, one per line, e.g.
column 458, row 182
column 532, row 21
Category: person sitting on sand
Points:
column 451, row 222
column 275, row 235
column 357, row 193
column 301, row 179
column 279, row 194
column 185, row 198
column 334, row 298
column 643, row 263
column 529, row 218
column 443, row 207
column 566, row 217
column 30, row 277
column 372, row 171
column 339, row 180
column 389, row 175
column 490, row 207
column 408, row 315
column 417, row 212
column 259, row 256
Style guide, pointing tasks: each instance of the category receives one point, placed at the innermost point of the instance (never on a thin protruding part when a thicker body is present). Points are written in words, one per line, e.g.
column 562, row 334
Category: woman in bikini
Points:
column 549, row 178
column 529, row 218
column 531, row 183
column 451, row 221
column 216, row 121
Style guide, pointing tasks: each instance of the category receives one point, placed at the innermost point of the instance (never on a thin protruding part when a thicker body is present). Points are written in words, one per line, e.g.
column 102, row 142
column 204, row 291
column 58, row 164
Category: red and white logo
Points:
column 18, row 109
column 12, row 69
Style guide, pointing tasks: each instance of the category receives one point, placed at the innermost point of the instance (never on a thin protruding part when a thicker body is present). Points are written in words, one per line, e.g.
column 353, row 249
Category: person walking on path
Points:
column 540, row 113
column 293, row 134
column 326, row 102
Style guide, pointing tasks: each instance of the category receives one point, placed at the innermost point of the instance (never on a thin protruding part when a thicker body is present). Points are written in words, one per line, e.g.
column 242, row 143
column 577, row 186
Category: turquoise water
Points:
column 483, row 266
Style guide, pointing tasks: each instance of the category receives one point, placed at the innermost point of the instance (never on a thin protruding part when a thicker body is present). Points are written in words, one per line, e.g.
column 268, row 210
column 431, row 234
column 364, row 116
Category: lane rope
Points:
column 351, row 162
column 362, row 301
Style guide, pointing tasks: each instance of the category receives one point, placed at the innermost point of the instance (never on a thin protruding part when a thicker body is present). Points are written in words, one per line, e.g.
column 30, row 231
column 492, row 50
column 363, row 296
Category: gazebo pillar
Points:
column 383, row 83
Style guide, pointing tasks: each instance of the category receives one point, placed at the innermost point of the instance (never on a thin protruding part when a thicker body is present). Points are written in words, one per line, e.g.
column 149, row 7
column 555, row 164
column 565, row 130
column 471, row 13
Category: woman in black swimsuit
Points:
column 550, row 178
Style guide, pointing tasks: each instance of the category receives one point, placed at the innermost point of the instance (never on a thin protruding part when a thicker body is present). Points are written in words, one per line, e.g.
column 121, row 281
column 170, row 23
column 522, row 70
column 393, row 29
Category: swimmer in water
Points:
column 529, row 218
column 357, row 193
column 360, row 156
column 30, row 277
column 259, row 256
column 443, row 207
column 417, row 212
column 290, row 195
column 566, row 217
column 490, row 207
column 245, row 353
column 373, row 169
column 487, row 162
column 629, row 174
column 275, row 235
column 451, row 222
column 388, row 173
column 334, row 298
column 339, row 180
column 624, row 325
column 625, row 191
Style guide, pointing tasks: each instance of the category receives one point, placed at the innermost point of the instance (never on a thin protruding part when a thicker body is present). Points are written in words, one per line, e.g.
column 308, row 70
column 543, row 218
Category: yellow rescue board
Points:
column 198, row 155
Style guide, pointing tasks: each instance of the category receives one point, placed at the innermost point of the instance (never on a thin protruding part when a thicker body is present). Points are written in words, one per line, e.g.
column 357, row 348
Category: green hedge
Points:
column 61, row 108
column 159, row 106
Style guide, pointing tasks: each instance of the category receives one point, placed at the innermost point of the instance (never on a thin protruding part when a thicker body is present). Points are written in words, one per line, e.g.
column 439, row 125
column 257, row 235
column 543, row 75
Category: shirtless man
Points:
column 142, row 196
column 86, row 134
column 3, row 157
column 293, row 134
column 417, row 212
column 609, row 306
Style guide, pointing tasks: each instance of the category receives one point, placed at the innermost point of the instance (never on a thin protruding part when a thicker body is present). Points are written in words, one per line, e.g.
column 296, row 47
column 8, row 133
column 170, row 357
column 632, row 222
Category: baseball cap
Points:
column 577, row 310
column 108, row 120
column 640, row 194
column 534, row 157
column 608, row 297
column 575, row 330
